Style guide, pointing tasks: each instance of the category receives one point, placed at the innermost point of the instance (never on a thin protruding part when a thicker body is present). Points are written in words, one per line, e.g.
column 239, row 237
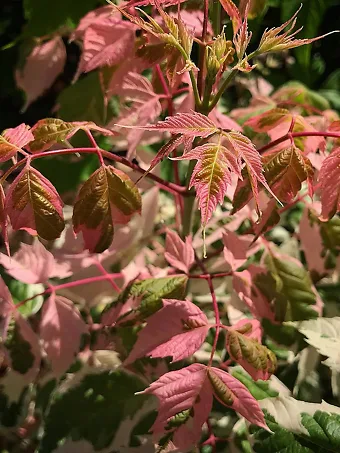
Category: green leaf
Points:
column 83, row 101
column 330, row 233
column 259, row 389
column 281, row 441
column 303, row 427
column 20, row 291
column 93, row 410
column 323, row 428
column 152, row 291
column 44, row 18
column 294, row 294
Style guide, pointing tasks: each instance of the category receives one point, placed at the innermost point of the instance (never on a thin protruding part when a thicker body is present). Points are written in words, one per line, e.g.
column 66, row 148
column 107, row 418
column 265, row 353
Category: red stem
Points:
column 207, row 276
column 215, row 305
column 217, row 319
column 94, row 144
column 102, row 269
column 297, row 134
column 84, row 281
column 165, row 185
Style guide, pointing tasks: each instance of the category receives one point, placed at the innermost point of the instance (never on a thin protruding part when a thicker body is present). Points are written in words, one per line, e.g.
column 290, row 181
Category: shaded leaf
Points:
column 61, row 329
column 33, row 264
column 41, row 69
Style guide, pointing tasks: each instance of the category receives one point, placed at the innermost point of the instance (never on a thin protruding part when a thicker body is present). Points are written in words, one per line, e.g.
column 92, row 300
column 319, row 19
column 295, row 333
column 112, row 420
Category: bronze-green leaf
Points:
column 33, row 204
column 107, row 198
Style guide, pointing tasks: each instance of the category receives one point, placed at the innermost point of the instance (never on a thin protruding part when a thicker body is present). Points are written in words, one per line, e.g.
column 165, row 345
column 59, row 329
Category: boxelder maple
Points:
column 167, row 71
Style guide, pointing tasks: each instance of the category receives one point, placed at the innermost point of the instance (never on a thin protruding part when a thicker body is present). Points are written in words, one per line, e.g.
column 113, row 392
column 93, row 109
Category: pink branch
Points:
column 84, row 281
column 297, row 134
column 165, row 185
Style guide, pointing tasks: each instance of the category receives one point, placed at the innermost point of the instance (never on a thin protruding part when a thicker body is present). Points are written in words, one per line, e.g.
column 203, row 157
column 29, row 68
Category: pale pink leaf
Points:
column 244, row 403
column 111, row 316
column 106, row 44
column 178, row 253
column 329, row 180
column 177, row 330
column 33, row 264
column 6, row 309
column 12, row 140
column 32, row 339
column 105, row 14
column 224, row 121
column 235, row 250
column 145, row 108
column 61, row 330
column 188, row 124
column 178, row 391
column 41, row 69
column 246, row 290
column 311, row 244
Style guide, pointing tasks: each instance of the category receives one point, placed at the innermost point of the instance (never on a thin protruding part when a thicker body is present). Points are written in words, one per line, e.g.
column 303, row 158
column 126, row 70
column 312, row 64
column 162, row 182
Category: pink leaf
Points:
column 12, row 140
column 244, row 287
column 329, row 180
column 33, row 204
column 106, row 43
column 245, row 149
column 184, row 390
column 145, row 107
column 104, row 14
column 61, row 329
column 211, row 175
column 33, row 340
column 235, row 250
column 311, row 244
column 189, row 124
column 224, row 121
column 233, row 12
column 111, row 316
column 178, row 253
column 33, row 264
column 41, row 69
column 188, row 393
column 243, row 402
column 177, row 330
column 6, row 309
